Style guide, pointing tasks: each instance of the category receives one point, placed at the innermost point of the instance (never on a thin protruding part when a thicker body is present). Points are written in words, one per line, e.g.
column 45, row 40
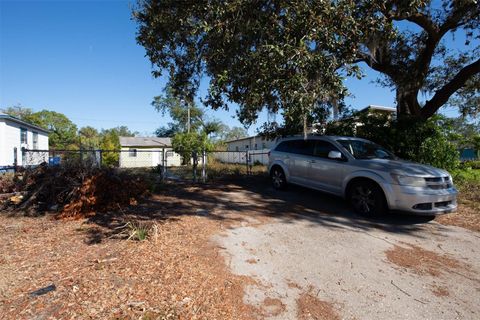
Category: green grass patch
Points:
column 467, row 181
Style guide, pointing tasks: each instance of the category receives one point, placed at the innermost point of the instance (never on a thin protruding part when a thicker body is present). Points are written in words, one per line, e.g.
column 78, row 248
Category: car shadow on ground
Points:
column 243, row 198
column 297, row 202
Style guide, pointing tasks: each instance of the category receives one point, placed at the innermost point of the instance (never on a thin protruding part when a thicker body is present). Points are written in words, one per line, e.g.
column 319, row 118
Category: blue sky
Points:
column 80, row 58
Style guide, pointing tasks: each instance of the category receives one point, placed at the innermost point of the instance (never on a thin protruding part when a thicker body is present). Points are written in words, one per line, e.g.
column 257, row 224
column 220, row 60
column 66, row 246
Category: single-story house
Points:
column 139, row 152
column 250, row 144
column 15, row 135
column 257, row 146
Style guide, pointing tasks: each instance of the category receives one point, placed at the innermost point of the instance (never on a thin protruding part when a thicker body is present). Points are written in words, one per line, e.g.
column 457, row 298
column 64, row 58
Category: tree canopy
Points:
column 20, row 112
column 289, row 57
column 64, row 135
column 89, row 138
column 63, row 132
column 417, row 59
column 182, row 111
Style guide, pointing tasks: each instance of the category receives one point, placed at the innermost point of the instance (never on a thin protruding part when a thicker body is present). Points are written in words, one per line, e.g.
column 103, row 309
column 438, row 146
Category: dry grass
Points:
column 468, row 213
column 218, row 171
column 466, row 217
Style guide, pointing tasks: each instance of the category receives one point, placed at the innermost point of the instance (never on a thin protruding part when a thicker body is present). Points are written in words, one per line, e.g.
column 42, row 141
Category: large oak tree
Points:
column 416, row 59
column 292, row 56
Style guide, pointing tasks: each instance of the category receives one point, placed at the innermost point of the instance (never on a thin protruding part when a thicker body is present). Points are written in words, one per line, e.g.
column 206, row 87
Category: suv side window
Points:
column 283, row 147
column 297, row 146
column 322, row 148
column 302, row 147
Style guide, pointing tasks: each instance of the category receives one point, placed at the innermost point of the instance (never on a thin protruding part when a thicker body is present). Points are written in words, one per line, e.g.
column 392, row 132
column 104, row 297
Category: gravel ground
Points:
column 297, row 254
column 400, row 268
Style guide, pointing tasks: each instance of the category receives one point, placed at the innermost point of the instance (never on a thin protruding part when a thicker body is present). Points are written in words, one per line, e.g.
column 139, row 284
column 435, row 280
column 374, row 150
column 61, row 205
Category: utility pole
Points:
column 188, row 114
column 188, row 117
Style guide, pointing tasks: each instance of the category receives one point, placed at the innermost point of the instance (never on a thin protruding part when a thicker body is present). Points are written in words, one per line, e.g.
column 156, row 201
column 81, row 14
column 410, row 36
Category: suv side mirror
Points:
column 337, row 155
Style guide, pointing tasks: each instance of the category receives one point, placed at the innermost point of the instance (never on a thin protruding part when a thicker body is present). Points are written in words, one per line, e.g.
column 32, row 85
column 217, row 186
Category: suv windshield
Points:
column 360, row 149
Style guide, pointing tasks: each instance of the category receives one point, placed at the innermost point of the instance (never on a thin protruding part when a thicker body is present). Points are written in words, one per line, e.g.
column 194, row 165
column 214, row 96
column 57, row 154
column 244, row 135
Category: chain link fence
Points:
column 167, row 162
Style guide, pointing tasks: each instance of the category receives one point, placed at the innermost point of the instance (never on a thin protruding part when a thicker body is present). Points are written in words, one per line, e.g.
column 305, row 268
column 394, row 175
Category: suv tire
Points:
column 367, row 198
column 277, row 176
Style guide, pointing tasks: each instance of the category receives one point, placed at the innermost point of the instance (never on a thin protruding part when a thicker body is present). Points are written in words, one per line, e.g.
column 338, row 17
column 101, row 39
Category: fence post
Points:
column 15, row 159
column 98, row 157
column 204, row 172
column 164, row 165
column 24, row 156
column 194, row 166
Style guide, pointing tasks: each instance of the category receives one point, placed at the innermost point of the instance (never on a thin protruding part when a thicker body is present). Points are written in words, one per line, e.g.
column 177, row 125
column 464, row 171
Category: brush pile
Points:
column 74, row 191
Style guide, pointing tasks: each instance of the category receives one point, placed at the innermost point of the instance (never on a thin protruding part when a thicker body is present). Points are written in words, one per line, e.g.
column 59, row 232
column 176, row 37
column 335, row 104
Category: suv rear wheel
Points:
column 278, row 178
column 367, row 198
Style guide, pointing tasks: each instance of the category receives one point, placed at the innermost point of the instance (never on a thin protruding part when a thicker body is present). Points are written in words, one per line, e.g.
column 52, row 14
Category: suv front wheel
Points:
column 278, row 178
column 367, row 198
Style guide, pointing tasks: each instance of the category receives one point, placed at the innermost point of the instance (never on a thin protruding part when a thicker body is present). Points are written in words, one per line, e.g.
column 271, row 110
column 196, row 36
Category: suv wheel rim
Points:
column 277, row 178
column 363, row 199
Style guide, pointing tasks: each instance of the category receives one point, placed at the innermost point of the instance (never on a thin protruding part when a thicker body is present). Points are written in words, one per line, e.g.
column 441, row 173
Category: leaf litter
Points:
column 176, row 274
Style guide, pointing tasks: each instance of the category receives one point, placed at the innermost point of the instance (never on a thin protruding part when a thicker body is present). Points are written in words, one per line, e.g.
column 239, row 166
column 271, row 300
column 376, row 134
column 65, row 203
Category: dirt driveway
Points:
column 239, row 250
column 314, row 259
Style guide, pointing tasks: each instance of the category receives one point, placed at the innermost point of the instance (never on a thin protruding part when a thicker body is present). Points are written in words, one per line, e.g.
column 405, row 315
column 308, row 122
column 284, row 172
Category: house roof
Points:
column 145, row 142
column 380, row 108
column 247, row 138
column 23, row 123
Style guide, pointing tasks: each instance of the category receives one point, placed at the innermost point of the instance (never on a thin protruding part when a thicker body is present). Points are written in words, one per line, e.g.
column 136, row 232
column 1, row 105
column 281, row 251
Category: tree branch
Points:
column 443, row 94
column 382, row 67
column 421, row 20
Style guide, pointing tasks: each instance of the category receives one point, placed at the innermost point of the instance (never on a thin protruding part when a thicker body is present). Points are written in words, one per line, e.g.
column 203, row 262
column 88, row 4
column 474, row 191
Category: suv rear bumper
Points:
column 421, row 201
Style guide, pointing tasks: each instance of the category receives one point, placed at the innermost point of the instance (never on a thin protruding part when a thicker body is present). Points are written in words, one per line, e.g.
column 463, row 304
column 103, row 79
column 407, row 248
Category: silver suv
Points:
column 370, row 177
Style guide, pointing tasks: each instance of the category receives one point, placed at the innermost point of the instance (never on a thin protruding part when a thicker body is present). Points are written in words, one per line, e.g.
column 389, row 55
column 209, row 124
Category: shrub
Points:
column 472, row 164
column 427, row 142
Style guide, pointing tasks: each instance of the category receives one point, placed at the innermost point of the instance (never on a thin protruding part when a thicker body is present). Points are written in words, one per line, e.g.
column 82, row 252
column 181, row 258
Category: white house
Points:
column 139, row 152
column 257, row 147
column 16, row 134
column 249, row 144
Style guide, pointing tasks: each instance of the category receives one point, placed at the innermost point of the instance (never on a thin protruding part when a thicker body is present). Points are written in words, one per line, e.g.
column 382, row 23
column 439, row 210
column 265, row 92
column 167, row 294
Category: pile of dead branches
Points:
column 76, row 190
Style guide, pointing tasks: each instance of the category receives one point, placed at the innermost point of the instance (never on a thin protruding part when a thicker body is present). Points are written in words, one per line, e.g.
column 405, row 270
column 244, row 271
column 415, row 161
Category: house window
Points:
column 23, row 135
column 236, row 148
column 264, row 145
column 35, row 140
column 256, row 146
column 246, row 147
column 133, row 153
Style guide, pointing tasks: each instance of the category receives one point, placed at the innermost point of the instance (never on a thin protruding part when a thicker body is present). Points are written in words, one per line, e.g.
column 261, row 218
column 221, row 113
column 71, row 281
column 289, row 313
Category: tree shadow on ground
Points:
column 299, row 203
column 251, row 197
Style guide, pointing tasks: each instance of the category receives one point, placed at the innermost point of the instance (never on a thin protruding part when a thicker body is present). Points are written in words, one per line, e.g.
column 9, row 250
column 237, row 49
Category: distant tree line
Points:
column 64, row 134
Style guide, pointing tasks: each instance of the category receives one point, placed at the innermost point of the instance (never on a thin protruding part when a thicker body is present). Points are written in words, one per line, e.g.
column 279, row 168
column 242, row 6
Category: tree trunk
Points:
column 407, row 102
